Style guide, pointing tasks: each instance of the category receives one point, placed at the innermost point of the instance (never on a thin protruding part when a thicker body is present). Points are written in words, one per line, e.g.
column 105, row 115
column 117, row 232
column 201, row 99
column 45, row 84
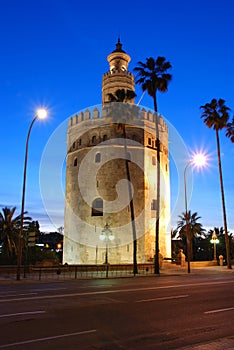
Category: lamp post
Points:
column 41, row 114
column 215, row 241
column 106, row 235
column 198, row 160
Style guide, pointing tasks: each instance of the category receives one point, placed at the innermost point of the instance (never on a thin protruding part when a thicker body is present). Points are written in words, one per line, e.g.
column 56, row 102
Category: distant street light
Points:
column 215, row 241
column 198, row 160
column 106, row 235
column 40, row 114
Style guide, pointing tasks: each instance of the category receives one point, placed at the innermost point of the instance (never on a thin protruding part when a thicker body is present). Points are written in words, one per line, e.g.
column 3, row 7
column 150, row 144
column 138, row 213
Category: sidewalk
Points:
column 168, row 269
column 177, row 269
column 220, row 344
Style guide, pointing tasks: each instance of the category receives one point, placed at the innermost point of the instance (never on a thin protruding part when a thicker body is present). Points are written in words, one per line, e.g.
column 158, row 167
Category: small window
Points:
column 149, row 141
column 153, row 204
column 98, row 158
column 94, row 139
column 104, row 137
column 97, row 207
column 80, row 142
column 166, row 167
column 75, row 162
column 153, row 161
column 74, row 145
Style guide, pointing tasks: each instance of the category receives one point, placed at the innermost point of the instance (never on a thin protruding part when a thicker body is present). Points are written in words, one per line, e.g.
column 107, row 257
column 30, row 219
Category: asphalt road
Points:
column 170, row 312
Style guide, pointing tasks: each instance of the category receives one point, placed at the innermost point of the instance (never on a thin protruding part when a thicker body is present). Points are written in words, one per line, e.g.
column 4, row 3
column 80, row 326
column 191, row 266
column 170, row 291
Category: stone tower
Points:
column 111, row 177
column 118, row 77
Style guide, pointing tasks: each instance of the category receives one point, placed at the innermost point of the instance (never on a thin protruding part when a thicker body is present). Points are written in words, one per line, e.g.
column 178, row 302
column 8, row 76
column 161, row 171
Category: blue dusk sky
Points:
column 53, row 54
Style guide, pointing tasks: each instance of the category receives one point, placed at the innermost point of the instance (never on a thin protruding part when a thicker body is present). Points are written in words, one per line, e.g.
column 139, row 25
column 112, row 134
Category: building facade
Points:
column 111, row 177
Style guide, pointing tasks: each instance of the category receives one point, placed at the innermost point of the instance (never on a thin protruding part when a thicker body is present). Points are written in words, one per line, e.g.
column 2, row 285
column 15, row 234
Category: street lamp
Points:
column 106, row 235
column 215, row 241
column 40, row 114
column 198, row 160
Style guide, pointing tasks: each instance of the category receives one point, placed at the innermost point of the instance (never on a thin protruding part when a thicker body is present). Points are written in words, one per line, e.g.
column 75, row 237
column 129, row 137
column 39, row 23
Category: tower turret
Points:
column 118, row 77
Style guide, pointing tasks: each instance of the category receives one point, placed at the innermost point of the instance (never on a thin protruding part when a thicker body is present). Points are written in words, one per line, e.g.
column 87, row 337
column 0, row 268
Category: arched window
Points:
column 104, row 137
column 97, row 207
column 75, row 162
column 80, row 142
column 98, row 157
column 94, row 139
column 153, row 204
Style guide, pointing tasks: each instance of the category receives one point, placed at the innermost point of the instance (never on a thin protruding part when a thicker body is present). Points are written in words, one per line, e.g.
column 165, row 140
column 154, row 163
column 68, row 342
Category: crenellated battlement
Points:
column 137, row 115
column 117, row 72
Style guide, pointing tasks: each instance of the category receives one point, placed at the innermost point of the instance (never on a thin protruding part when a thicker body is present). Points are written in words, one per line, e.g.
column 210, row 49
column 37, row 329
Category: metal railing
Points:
column 73, row 272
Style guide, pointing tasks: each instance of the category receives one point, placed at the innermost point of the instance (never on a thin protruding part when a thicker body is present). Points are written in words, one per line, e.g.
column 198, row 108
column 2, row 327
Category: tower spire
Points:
column 118, row 76
column 119, row 46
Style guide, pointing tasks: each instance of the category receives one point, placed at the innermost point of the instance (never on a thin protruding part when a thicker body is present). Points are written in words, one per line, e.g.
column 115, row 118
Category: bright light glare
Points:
column 111, row 237
column 199, row 160
column 102, row 236
column 41, row 113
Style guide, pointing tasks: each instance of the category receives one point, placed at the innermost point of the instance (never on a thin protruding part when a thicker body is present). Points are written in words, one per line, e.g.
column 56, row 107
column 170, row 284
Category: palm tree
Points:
column 9, row 231
column 216, row 115
column 122, row 95
column 153, row 77
column 230, row 130
column 194, row 229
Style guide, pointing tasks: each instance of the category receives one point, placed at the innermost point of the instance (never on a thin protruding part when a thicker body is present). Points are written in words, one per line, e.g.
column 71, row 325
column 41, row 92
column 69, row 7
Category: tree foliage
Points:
column 216, row 116
column 230, row 130
column 193, row 230
column 9, row 232
column 121, row 95
column 153, row 76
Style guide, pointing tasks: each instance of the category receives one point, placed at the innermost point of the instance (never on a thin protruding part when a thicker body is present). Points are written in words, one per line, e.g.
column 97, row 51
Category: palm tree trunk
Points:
column 135, row 270
column 228, row 257
column 156, row 258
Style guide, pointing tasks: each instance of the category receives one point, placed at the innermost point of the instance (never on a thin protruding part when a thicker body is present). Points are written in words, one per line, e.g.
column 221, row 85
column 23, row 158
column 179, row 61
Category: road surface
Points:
column 170, row 312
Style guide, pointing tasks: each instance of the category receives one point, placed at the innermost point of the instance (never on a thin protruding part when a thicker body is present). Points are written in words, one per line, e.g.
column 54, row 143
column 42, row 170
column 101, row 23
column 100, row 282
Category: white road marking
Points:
column 46, row 289
column 23, row 313
column 218, row 310
column 47, row 338
column 128, row 290
column 16, row 295
column 163, row 298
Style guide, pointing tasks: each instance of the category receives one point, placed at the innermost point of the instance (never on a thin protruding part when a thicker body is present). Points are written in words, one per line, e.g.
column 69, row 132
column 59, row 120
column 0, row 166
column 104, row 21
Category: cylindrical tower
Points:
column 118, row 76
column 111, row 175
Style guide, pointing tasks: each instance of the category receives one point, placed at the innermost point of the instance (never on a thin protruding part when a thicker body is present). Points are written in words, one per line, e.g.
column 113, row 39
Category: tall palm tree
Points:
column 122, row 95
column 216, row 116
column 194, row 229
column 153, row 77
column 9, row 231
column 230, row 130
